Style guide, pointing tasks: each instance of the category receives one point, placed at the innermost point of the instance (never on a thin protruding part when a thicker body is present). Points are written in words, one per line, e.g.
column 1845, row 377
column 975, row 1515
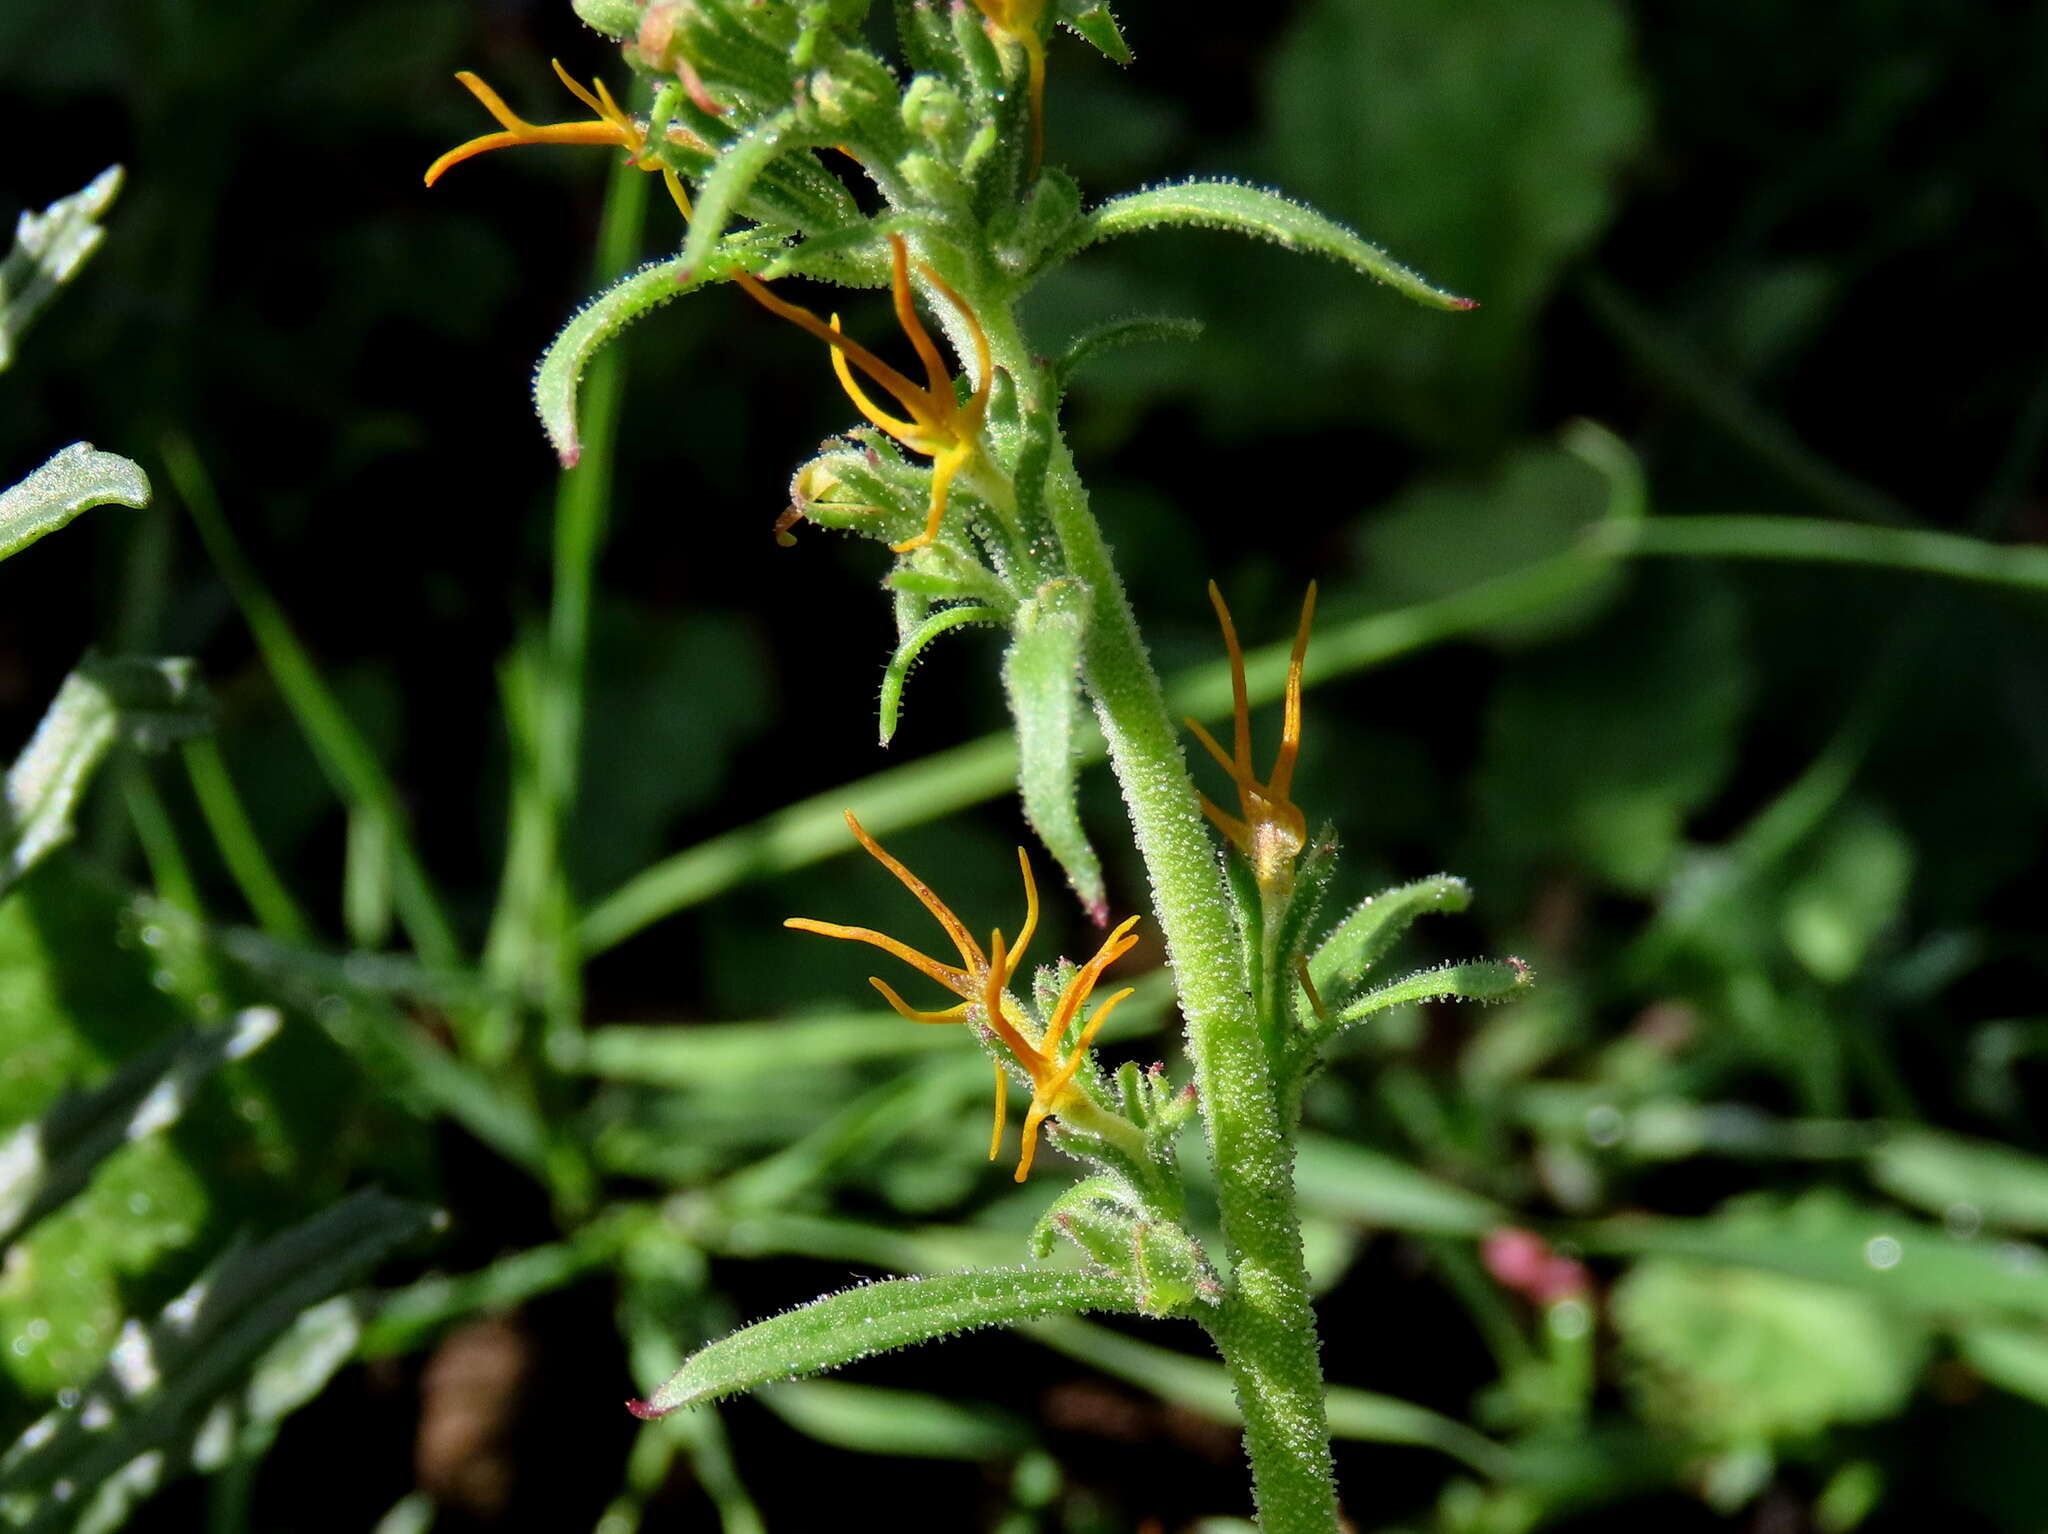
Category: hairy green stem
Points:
column 1265, row 1329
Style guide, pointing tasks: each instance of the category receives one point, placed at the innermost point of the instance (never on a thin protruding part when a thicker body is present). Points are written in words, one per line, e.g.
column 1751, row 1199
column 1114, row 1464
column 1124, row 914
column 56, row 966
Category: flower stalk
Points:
column 772, row 105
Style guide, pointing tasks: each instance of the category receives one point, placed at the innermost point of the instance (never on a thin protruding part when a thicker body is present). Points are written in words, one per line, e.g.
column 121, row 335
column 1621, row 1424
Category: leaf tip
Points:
column 1462, row 305
column 648, row 1411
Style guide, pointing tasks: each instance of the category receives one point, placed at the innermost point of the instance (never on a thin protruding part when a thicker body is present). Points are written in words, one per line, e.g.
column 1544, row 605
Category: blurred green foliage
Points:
column 1769, row 828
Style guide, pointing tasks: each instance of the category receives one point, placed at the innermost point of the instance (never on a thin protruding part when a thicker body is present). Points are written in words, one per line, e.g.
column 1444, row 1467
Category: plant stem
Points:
column 1265, row 1329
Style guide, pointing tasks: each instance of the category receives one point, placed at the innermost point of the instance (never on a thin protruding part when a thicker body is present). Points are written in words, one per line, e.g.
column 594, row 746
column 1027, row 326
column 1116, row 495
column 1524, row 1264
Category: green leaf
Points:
column 560, row 374
column 162, row 1375
column 149, row 703
column 75, row 479
column 1887, row 1255
column 2010, row 1357
column 240, row 1425
column 1264, row 215
column 708, row 1054
column 853, row 1324
column 1729, row 1356
column 403, row 1320
column 1966, row 1181
column 1092, row 20
column 733, row 174
column 912, row 646
column 910, row 1424
column 1442, row 534
column 49, row 249
column 1486, row 136
column 1375, row 924
column 1141, row 330
column 1202, row 1386
column 1475, row 980
column 1854, row 890
column 43, row 1163
column 1348, row 1182
column 614, row 18
column 1041, row 675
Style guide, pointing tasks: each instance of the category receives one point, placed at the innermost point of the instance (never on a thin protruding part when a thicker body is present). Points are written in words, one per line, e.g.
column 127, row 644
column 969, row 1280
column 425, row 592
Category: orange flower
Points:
column 1052, row 1074
column 1270, row 829
column 612, row 125
column 940, row 426
column 969, row 979
column 982, row 981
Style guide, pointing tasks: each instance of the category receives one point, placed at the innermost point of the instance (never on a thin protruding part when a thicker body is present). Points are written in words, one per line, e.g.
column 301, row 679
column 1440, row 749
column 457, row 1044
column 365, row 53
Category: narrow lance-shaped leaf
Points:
column 1041, row 675
column 1091, row 19
column 75, row 479
column 853, row 1324
column 560, row 374
column 46, row 1161
column 241, row 1424
column 1375, row 924
column 1264, row 215
column 869, row 1419
column 1477, row 980
column 738, row 166
column 49, row 249
column 163, row 1374
column 150, row 702
column 912, row 646
column 2006, row 1187
column 1139, row 330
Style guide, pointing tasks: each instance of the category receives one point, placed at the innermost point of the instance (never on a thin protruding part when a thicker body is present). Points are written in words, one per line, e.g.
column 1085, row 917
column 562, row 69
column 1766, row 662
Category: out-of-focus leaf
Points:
column 1205, row 1387
column 1881, row 1254
column 1732, row 1356
column 1967, row 1182
column 1264, row 215
column 1352, row 1183
column 1598, row 749
column 241, row 1423
column 47, row 1160
column 868, row 1419
column 1440, row 536
column 839, row 1329
column 1042, row 679
column 399, row 1320
column 75, row 479
column 686, row 1055
column 150, row 703
column 1482, row 138
column 697, row 688
column 2012, row 1358
column 1853, row 890
column 163, row 1375
column 49, row 249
